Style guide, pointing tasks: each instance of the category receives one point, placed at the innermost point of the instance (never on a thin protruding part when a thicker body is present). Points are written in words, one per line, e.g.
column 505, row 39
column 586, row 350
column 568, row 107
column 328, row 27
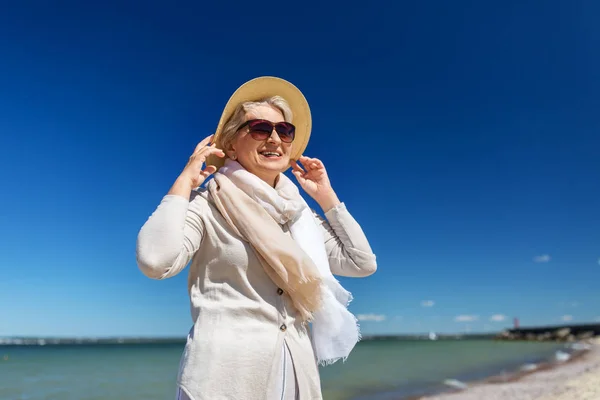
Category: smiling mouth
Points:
column 270, row 154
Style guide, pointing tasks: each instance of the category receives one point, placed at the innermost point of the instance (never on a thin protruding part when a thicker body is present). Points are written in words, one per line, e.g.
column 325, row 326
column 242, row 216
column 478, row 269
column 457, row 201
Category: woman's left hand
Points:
column 314, row 180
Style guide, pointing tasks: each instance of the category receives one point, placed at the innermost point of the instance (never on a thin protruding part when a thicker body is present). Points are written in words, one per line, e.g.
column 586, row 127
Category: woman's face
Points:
column 264, row 158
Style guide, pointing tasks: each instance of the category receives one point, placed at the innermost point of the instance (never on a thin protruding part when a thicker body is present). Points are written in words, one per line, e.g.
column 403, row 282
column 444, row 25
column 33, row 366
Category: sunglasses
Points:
column 261, row 129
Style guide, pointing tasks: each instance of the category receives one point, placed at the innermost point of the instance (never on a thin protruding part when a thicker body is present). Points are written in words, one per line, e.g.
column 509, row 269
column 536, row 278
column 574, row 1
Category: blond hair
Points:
column 230, row 128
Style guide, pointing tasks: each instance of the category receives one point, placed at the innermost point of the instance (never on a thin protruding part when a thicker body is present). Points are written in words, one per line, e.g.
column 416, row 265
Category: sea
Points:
column 385, row 369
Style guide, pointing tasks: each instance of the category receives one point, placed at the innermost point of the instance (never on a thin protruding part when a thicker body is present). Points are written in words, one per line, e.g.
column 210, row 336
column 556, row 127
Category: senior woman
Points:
column 266, row 308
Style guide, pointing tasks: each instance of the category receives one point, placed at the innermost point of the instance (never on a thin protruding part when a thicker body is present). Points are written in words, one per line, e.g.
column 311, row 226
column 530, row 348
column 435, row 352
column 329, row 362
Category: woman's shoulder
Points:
column 200, row 199
column 201, row 203
column 201, row 193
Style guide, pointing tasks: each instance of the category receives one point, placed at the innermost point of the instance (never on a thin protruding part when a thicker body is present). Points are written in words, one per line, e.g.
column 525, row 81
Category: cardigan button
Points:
column 280, row 291
column 283, row 328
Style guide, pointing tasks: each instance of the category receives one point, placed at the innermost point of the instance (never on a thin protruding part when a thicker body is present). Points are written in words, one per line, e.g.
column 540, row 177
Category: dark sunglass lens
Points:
column 260, row 126
column 286, row 137
column 259, row 135
column 284, row 127
column 260, row 130
column 286, row 131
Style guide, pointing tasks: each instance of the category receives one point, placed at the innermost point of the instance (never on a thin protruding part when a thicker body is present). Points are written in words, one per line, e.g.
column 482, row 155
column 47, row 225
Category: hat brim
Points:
column 261, row 88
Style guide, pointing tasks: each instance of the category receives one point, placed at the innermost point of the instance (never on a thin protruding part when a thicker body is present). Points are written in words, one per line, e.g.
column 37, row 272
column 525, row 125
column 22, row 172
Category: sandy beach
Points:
column 577, row 379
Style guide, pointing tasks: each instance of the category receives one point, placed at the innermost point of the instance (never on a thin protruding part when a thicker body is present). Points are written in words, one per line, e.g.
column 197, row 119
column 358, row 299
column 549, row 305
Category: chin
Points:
column 277, row 165
column 275, row 169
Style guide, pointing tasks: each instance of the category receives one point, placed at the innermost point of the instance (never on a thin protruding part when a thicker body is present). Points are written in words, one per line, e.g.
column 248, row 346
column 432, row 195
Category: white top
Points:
column 240, row 318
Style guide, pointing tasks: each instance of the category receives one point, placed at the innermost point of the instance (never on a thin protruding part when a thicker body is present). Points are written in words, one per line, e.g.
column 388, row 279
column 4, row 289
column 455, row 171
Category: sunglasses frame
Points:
column 274, row 126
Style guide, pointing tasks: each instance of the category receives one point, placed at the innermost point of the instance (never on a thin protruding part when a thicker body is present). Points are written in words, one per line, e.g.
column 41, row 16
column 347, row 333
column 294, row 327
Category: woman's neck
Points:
column 268, row 176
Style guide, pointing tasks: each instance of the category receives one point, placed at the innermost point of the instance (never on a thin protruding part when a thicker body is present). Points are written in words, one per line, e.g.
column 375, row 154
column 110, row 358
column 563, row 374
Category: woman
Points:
column 261, row 260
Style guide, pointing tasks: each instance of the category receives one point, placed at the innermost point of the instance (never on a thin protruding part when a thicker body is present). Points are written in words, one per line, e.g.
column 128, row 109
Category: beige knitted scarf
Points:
column 288, row 266
column 297, row 263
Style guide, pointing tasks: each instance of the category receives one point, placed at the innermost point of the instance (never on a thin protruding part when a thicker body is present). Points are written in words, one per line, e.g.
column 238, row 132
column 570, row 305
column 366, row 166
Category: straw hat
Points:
column 261, row 88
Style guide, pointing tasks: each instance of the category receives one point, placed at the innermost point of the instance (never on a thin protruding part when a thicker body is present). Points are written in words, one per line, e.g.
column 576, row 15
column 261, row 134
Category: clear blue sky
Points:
column 463, row 136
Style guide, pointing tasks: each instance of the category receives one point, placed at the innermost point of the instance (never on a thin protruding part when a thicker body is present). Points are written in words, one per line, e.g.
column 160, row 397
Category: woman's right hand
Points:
column 193, row 175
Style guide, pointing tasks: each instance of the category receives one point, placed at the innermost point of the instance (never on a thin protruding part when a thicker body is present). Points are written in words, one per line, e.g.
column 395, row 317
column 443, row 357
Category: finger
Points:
column 310, row 163
column 212, row 150
column 209, row 170
column 203, row 143
column 310, row 166
column 198, row 159
column 205, row 152
column 298, row 175
column 318, row 163
column 304, row 163
column 298, row 169
column 314, row 162
column 202, row 150
column 296, row 166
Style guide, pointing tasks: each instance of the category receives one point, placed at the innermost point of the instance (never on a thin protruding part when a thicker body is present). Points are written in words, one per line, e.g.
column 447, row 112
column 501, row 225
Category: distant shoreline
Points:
column 42, row 341
column 543, row 333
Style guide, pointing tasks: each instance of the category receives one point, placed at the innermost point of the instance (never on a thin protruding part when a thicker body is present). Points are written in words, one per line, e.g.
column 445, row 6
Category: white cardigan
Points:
column 240, row 318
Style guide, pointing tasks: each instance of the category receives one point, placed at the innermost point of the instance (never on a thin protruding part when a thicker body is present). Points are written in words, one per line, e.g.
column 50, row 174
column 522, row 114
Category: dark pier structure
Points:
column 574, row 329
column 566, row 332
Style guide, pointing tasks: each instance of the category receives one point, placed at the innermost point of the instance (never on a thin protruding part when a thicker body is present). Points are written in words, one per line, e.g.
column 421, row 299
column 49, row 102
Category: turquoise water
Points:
column 386, row 369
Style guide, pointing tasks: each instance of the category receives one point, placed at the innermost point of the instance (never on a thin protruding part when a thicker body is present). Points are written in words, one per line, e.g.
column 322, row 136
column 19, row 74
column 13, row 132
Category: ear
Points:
column 230, row 150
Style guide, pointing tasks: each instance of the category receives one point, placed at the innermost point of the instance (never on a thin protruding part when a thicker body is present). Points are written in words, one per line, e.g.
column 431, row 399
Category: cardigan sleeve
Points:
column 172, row 234
column 347, row 247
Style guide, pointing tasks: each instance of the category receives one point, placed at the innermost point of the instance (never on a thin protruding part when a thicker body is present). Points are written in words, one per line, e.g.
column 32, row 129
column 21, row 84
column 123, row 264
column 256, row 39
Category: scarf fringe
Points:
column 331, row 361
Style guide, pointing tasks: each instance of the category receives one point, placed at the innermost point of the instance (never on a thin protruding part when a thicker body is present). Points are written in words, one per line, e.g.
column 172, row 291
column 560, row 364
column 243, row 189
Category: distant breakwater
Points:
column 562, row 333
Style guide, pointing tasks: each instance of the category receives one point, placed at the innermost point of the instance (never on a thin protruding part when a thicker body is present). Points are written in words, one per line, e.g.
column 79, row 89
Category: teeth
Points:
column 270, row 153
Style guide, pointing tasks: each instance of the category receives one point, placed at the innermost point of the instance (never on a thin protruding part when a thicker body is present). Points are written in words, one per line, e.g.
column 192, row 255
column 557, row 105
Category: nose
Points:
column 274, row 138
